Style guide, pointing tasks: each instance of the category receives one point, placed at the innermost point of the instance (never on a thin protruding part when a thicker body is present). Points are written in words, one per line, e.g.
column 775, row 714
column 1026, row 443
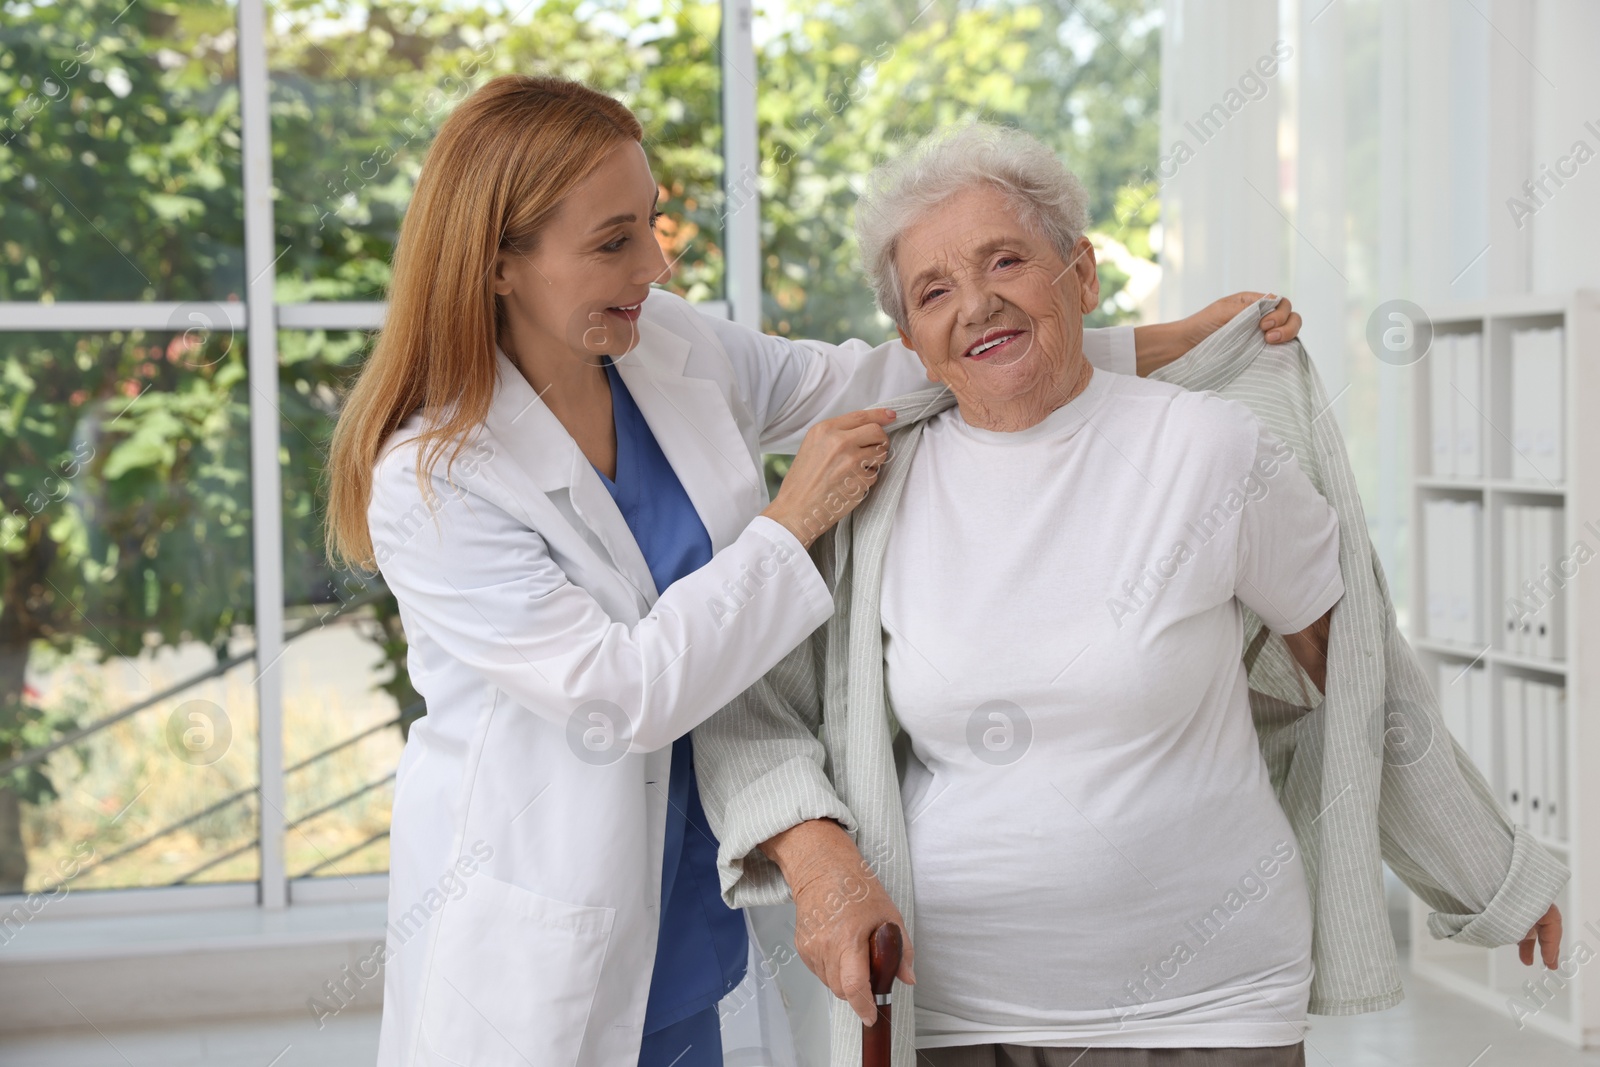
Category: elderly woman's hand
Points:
column 1158, row 344
column 838, row 903
column 1546, row 937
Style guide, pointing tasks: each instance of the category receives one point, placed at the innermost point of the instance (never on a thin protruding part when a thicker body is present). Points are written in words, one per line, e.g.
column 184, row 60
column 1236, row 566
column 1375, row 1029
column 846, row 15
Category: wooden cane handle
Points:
column 883, row 952
column 883, row 959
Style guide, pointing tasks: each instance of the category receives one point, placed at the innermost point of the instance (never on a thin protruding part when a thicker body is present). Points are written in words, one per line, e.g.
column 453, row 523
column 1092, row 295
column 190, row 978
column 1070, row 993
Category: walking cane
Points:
column 883, row 955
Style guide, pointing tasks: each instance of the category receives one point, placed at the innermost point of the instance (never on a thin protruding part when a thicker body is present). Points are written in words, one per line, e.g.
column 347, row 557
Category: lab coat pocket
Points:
column 513, row 977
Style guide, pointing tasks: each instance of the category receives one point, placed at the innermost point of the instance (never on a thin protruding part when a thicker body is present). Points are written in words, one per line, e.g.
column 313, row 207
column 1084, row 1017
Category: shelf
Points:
column 1451, row 648
column 1468, row 485
column 1511, row 306
column 1496, row 979
column 1531, row 663
column 1498, row 485
column 1510, row 485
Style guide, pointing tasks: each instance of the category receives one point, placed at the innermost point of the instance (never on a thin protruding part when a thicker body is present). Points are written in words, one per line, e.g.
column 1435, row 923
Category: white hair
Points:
column 1049, row 198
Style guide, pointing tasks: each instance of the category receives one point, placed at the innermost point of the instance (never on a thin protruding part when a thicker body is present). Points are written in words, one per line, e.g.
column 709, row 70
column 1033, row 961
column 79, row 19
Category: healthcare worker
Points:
column 558, row 472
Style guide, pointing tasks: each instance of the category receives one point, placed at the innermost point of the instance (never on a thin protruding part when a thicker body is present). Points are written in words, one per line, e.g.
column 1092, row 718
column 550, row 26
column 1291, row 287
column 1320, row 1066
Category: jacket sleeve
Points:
column 483, row 586
column 1440, row 826
column 761, row 769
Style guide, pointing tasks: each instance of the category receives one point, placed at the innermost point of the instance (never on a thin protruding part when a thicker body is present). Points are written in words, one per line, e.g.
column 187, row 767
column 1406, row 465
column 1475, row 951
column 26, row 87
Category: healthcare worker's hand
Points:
column 837, row 463
column 1160, row 343
column 838, row 903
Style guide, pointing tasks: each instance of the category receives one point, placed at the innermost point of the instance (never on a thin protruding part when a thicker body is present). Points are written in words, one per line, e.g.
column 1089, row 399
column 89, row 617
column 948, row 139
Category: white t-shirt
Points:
column 1098, row 855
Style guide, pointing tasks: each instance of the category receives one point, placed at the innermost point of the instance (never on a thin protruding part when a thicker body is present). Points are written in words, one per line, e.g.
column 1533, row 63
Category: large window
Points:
column 127, row 627
column 199, row 200
column 190, row 696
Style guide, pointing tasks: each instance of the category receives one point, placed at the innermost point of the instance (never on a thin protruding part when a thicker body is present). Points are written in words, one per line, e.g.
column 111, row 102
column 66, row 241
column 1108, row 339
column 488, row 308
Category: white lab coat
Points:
column 530, row 802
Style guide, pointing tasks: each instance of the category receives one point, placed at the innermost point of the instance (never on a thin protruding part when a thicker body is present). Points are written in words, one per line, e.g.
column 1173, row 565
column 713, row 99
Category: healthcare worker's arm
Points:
column 483, row 586
column 1160, row 343
column 791, row 384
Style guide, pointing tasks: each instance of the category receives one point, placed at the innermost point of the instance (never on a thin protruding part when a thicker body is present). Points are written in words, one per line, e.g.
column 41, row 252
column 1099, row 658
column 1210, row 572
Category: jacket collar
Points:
column 691, row 420
column 1224, row 355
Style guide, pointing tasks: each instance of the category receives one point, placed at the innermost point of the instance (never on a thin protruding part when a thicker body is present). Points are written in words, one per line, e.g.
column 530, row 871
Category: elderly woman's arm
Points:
column 1310, row 649
column 781, row 829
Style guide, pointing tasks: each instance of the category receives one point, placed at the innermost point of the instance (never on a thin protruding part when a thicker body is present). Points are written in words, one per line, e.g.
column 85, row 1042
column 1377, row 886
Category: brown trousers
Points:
column 1037, row 1056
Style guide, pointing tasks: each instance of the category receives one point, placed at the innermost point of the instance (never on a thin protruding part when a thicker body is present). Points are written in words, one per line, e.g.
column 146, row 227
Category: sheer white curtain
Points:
column 1380, row 161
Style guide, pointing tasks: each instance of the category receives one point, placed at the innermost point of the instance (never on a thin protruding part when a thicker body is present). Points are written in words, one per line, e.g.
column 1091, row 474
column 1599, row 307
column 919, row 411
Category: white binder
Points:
column 1533, row 573
column 1538, row 404
column 1527, row 552
column 1456, row 556
column 1543, row 580
column 1555, row 764
column 1470, row 622
column 1550, row 427
column 1453, row 702
column 1468, row 404
column 1510, row 560
column 1480, row 722
column 1558, row 605
column 1552, row 615
column 1513, row 792
column 1524, row 409
column 1441, row 405
column 1533, row 694
column 1435, row 580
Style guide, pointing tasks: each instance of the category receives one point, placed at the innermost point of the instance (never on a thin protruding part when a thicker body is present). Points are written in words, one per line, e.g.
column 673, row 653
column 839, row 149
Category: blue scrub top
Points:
column 703, row 949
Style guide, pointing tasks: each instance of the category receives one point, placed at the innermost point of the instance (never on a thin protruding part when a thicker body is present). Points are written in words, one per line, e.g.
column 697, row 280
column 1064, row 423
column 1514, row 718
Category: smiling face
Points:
column 581, row 288
column 992, row 309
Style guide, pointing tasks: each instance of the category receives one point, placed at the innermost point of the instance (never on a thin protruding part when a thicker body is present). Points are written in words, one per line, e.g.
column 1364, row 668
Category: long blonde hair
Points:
column 498, row 169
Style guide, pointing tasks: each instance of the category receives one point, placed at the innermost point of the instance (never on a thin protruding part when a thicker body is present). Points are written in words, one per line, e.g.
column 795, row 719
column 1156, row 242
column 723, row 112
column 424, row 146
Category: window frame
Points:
column 260, row 316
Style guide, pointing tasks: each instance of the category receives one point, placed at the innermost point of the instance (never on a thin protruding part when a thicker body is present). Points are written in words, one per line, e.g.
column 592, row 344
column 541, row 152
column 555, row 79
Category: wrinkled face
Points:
column 992, row 309
column 581, row 288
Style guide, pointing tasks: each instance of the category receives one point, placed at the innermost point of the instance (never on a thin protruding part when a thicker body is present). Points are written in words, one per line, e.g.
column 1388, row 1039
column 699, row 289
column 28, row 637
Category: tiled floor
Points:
column 346, row 1040
column 1432, row 1028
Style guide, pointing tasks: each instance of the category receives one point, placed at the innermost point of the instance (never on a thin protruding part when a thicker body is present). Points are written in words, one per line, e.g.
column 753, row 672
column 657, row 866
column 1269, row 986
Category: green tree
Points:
column 123, row 468
column 844, row 87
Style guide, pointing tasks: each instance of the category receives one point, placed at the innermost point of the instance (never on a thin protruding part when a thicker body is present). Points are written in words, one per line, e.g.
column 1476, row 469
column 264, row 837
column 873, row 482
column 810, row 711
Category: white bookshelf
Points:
column 1570, row 1007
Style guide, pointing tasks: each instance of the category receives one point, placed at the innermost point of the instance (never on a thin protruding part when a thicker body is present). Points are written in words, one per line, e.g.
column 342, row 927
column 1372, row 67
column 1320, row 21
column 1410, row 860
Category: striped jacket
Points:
column 1366, row 774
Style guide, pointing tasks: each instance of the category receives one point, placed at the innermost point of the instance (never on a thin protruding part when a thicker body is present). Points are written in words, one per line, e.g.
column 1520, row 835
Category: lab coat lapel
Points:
column 692, row 422
column 546, row 452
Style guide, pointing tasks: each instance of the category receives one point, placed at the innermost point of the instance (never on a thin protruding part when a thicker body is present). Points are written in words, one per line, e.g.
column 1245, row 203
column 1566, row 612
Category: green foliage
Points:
column 119, row 152
column 122, row 468
column 123, row 474
column 357, row 94
column 857, row 83
column 124, row 459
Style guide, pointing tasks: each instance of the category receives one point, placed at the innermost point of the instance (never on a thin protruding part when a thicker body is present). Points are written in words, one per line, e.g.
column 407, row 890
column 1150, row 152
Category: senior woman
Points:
column 1052, row 624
